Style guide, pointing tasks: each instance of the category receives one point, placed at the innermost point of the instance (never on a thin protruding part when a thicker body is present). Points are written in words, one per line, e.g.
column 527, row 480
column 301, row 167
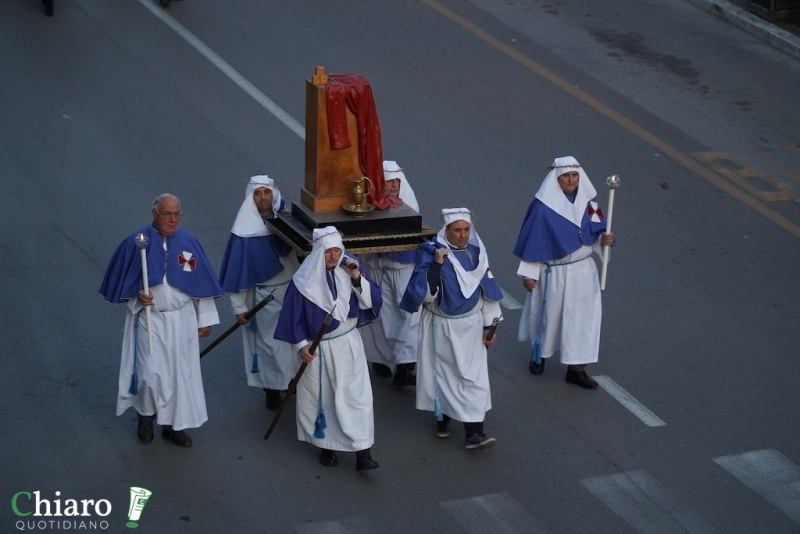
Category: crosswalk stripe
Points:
column 626, row 399
column 509, row 302
column 356, row 525
column 497, row 513
column 770, row 474
column 645, row 504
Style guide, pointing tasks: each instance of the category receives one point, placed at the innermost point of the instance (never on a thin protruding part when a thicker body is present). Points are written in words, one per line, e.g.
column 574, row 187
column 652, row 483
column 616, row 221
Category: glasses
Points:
column 170, row 214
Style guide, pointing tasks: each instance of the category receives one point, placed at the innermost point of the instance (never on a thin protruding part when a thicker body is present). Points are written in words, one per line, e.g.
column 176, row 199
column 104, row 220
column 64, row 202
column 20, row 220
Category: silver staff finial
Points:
column 141, row 240
column 613, row 181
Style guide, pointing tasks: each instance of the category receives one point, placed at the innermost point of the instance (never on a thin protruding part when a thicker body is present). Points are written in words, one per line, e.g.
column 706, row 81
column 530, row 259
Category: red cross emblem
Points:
column 186, row 261
column 591, row 210
column 594, row 210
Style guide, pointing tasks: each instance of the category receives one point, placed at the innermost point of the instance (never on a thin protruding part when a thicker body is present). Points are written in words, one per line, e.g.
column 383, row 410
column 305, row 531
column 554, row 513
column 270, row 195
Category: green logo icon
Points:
column 139, row 498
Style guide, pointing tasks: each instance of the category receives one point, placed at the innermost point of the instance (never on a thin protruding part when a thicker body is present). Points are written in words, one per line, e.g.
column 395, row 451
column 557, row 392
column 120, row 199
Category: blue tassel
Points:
column 134, row 389
column 536, row 355
column 254, row 368
column 320, row 425
column 437, row 409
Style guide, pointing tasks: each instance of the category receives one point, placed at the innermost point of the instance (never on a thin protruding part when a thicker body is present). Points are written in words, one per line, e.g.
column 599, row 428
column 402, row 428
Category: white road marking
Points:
column 626, row 399
column 770, row 474
column 229, row 71
column 509, row 302
column 346, row 526
column 645, row 504
column 497, row 513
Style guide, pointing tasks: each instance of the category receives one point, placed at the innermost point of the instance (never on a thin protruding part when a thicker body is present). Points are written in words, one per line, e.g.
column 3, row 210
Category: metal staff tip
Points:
column 613, row 181
column 141, row 240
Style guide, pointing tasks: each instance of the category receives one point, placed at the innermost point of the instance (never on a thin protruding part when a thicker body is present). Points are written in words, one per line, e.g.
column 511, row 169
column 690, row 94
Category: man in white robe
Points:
column 461, row 301
column 562, row 311
column 334, row 395
column 257, row 264
column 166, row 385
column 392, row 340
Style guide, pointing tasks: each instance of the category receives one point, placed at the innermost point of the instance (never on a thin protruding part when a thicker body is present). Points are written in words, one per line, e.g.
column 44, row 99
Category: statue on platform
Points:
column 343, row 143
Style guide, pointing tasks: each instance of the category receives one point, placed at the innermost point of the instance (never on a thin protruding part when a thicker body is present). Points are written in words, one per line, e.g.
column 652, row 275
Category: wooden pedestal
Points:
column 328, row 172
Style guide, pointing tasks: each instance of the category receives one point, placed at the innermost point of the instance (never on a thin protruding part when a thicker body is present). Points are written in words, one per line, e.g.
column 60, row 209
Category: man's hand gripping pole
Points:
column 247, row 316
column 293, row 384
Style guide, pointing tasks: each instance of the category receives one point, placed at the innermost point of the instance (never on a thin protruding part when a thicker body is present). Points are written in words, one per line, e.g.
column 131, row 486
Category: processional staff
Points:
column 613, row 184
column 492, row 329
column 142, row 241
column 293, row 384
column 247, row 316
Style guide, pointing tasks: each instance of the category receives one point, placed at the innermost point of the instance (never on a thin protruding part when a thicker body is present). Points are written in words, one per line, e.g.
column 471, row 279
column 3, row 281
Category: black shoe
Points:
column 478, row 441
column 145, row 431
column 580, row 378
column 328, row 458
column 178, row 437
column 163, row 3
column 364, row 461
column 274, row 399
column 382, row 370
column 442, row 429
column 404, row 376
column 48, row 10
column 537, row 368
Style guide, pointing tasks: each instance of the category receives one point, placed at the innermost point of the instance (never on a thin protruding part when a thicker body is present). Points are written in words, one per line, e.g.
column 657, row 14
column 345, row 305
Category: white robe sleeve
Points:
column 299, row 345
column 529, row 269
column 206, row 312
column 490, row 311
column 364, row 296
column 597, row 248
column 239, row 302
column 134, row 306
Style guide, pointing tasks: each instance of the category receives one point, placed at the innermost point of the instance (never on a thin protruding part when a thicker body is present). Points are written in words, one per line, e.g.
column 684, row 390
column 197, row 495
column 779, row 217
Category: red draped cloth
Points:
column 354, row 91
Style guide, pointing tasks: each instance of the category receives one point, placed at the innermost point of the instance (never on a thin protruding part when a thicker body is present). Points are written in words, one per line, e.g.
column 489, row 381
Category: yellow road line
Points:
column 775, row 162
column 629, row 125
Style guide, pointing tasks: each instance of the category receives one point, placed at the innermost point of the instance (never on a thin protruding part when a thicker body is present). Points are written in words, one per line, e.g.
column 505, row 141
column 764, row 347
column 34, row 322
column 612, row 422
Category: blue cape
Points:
column 301, row 319
column 251, row 260
column 123, row 278
column 545, row 235
column 450, row 299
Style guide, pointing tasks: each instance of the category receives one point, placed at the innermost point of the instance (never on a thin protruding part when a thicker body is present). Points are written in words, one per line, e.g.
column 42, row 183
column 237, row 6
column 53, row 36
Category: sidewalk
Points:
column 784, row 35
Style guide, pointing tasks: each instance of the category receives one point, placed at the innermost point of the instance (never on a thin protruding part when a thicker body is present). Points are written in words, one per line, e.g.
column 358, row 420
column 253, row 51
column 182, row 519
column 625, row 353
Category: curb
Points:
column 752, row 24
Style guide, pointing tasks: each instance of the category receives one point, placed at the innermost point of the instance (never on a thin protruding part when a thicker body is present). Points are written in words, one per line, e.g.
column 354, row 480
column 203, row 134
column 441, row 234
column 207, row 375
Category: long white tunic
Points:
column 574, row 308
column 340, row 368
column 170, row 381
column 393, row 338
column 452, row 360
column 277, row 363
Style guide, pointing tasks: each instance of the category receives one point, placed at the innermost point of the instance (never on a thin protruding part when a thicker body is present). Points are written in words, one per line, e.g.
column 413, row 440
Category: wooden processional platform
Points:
column 330, row 175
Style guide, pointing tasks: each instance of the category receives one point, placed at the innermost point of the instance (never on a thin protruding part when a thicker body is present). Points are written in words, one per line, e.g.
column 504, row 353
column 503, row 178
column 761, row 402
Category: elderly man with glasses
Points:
column 163, row 383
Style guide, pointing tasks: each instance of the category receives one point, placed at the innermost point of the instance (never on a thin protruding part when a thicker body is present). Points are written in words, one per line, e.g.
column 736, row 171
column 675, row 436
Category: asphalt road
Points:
column 108, row 104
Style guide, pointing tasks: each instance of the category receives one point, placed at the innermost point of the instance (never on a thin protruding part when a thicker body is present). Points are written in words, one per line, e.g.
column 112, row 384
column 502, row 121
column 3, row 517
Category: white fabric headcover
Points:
column 468, row 281
column 310, row 278
column 392, row 171
column 248, row 222
column 552, row 196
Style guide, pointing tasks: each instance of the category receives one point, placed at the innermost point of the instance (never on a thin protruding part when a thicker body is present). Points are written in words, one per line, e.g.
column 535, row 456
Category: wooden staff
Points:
column 492, row 329
column 236, row 325
column 293, row 384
